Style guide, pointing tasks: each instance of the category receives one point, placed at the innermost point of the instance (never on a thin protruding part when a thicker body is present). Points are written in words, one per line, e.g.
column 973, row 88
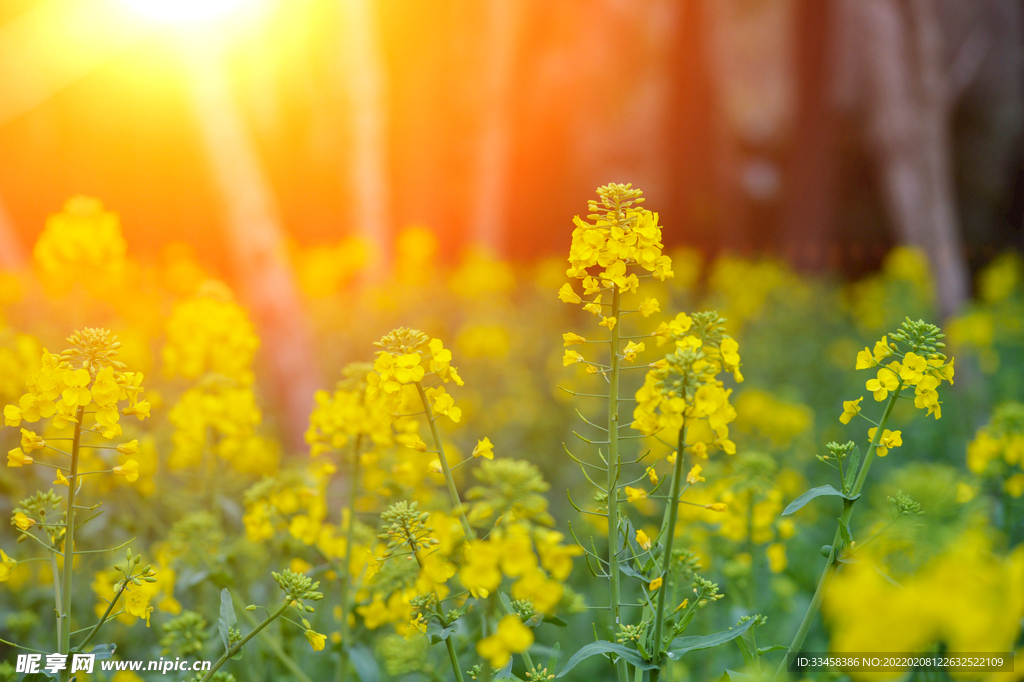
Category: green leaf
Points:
column 365, row 664
column 437, row 634
column 103, row 651
column 625, row 568
column 227, row 618
column 556, row 621
column 844, row 532
column 851, row 467
column 602, row 647
column 768, row 649
column 684, row 645
column 556, row 652
column 748, row 655
column 820, row 491
column 736, row 677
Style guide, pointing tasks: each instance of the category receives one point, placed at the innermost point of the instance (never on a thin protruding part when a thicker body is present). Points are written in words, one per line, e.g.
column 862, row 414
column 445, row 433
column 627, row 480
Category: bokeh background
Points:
column 822, row 169
column 823, row 131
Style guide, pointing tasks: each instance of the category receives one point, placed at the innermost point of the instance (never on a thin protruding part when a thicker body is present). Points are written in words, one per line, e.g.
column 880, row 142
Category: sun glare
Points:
column 183, row 11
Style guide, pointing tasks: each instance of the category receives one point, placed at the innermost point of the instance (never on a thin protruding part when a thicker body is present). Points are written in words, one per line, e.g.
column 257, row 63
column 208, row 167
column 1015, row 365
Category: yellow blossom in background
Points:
column 777, row 561
column 635, row 494
column 967, row 597
column 997, row 450
column 82, row 245
column 7, row 565
column 211, row 333
column 512, row 637
column 769, row 416
column 643, row 540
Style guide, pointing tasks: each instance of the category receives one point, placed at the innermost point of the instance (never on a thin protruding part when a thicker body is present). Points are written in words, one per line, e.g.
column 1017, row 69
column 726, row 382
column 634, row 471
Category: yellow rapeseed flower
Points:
column 571, row 339
column 851, row 408
column 316, row 640
column 512, row 637
column 484, row 448
column 635, row 494
column 889, row 440
column 130, row 470
column 16, row 458
column 23, row 522
column 7, row 565
column 886, row 381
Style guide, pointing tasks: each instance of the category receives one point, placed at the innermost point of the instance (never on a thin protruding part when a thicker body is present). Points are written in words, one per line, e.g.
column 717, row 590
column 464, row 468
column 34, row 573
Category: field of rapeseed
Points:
column 627, row 463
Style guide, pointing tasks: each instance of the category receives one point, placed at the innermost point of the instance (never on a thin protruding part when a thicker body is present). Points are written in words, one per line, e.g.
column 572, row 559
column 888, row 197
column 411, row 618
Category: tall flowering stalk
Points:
column 678, row 391
column 84, row 389
column 348, row 423
column 908, row 358
column 406, row 357
column 410, row 372
column 608, row 257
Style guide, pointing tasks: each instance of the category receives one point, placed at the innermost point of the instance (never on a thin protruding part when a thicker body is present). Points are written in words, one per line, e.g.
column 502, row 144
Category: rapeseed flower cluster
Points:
column 967, row 597
column 82, row 245
column 997, row 450
column 684, row 387
column 212, row 343
column 87, row 375
column 906, row 358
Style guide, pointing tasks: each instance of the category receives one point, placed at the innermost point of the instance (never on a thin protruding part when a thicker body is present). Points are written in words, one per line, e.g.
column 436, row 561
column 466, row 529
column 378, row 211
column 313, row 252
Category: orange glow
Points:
column 183, row 11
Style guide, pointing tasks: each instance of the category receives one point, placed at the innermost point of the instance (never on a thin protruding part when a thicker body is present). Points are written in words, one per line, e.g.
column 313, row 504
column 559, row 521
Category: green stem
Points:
column 833, row 565
column 275, row 646
column 64, row 636
column 240, row 643
column 667, row 541
column 613, row 477
column 103, row 618
column 353, row 491
column 56, row 590
column 454, row 658
column 452, row 655
column 453, row 492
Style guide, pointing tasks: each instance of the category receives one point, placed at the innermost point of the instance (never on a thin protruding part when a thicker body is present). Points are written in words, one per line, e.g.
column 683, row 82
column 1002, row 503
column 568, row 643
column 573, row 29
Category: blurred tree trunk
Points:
column 12, row 257
column 256, row 243
column 365, row 78
column 807, row 224
column 910, row 98
column 489, row 219
column 750, row 56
